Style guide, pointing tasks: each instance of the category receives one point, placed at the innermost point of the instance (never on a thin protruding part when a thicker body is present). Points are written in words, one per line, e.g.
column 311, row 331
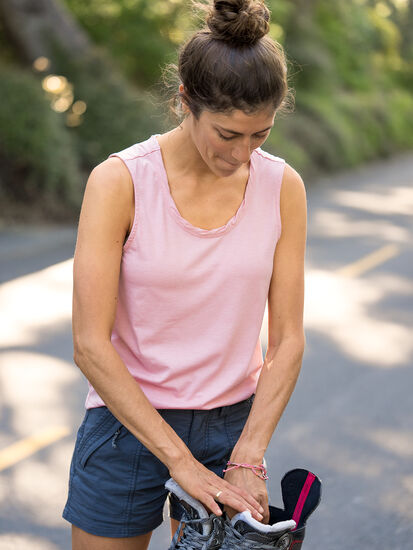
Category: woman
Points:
column 181, row 240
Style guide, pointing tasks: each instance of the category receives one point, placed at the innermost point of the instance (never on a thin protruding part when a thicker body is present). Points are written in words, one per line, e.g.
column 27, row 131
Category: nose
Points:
column 242, row 151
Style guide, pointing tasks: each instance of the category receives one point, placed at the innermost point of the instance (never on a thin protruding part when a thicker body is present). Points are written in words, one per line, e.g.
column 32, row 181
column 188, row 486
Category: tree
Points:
column 35, row 25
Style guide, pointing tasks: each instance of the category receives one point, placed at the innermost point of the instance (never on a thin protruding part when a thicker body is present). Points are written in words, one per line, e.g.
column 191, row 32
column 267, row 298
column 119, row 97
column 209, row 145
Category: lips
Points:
column 230, row 163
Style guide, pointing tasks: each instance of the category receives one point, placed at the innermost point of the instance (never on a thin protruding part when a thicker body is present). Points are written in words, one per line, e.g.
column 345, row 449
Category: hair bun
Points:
column 239, row 21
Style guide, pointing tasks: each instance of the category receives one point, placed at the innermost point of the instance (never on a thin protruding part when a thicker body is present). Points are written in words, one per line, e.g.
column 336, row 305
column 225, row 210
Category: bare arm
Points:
column 286, row 337
column 103, row 226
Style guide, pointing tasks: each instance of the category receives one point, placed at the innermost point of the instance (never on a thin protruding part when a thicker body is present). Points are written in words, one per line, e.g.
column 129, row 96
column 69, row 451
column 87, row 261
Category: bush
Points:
column 37, row 156
column 117, row 115
column 331, row 132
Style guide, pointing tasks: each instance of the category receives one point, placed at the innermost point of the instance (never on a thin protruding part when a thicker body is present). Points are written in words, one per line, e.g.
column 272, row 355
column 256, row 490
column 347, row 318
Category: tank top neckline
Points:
column 185, row 224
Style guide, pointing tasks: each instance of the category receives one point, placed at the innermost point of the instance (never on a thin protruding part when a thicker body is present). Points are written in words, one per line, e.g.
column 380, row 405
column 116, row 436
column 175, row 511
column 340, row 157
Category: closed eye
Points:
column 225, row 138
column 233, row 137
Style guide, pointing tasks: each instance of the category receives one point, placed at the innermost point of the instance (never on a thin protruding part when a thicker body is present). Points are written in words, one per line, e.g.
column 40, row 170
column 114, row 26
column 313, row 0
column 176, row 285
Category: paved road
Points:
column 350, row 417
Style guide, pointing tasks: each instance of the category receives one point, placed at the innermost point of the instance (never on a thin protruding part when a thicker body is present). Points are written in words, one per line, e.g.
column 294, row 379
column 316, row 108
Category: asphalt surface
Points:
column 349, row 419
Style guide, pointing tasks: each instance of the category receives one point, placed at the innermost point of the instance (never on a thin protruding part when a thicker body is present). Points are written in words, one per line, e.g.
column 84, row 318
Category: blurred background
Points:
column 80, row 80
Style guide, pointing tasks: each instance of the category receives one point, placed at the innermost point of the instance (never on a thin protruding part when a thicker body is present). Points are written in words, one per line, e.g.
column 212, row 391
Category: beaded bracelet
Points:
column 259, row 471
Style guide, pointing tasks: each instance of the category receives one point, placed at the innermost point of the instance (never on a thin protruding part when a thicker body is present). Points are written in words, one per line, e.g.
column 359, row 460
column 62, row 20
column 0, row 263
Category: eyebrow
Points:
column 240, row 134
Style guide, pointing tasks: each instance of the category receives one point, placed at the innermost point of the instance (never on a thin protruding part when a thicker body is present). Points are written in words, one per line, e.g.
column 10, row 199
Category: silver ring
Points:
column 217, row 495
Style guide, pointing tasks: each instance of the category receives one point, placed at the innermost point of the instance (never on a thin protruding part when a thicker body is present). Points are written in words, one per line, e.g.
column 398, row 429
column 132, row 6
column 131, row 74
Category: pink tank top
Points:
column 191, row 301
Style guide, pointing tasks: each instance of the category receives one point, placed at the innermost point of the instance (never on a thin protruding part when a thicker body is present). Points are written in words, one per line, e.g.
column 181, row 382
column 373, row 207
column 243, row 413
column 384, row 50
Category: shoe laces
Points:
column 191, row 538
column 236, row 541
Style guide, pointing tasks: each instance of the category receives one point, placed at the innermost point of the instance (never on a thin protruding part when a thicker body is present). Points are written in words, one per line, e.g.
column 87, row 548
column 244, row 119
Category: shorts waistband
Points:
column 213, row 413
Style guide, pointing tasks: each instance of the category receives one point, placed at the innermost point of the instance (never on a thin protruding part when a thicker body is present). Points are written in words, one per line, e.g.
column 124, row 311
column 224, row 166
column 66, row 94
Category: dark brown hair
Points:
column 231, row 63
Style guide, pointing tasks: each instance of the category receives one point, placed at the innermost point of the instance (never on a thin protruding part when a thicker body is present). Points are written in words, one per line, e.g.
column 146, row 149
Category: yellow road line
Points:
column 370, row 261
column 26, row 447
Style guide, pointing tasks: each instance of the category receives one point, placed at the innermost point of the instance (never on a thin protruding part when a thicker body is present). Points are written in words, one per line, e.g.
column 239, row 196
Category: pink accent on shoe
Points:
column 302, row 498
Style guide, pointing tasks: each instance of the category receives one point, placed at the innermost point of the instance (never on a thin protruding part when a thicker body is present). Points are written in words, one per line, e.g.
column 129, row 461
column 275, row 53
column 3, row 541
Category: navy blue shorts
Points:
column 116, row 485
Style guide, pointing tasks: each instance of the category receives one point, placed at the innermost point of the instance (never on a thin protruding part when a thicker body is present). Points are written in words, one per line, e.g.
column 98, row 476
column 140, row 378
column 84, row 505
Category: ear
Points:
column 185, row 108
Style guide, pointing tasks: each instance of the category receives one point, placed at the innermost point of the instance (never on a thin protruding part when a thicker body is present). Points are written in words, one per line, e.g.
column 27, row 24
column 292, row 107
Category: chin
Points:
column 227, row 167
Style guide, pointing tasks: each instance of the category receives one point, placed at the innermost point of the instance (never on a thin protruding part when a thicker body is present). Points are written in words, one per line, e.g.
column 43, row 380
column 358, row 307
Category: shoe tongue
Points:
column 242, row 527
column 301, row 492
column 205, row 527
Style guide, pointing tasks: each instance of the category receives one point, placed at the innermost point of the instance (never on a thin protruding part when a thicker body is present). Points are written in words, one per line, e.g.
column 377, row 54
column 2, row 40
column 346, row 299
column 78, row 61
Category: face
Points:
column 226, row 141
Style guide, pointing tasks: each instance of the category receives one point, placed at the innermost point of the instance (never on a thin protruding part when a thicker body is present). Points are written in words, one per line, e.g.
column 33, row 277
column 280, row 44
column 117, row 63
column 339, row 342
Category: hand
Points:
column 255, row 486
column 202, row 484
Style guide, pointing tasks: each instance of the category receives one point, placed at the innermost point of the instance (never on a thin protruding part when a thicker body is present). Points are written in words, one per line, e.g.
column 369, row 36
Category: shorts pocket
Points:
column 100, row 427
column 105, row 470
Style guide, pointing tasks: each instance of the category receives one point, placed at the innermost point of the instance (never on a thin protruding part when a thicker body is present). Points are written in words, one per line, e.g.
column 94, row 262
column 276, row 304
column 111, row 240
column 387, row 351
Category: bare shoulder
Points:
column 103, row 226
column 293, row 200
column 109, row 192
column 108, row 204
column 111, row 176
column 292, row 187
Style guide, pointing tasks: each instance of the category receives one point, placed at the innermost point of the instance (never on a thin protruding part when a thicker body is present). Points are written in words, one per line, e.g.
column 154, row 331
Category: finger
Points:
column 244, row 499
column 249, row 499
column 266, row 515
column 239, row 505
column 229, row 511
column 266, row 512
column 241, row 493
column 212, row 505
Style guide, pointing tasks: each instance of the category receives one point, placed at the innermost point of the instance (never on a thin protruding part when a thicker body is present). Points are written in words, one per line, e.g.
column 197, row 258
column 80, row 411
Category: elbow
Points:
column 299, row 349
column 79, row 348
column 79, row 354
column 87, row 351
column 294, row 340
column 294, row 343
column 298, row 341
column 303, row 343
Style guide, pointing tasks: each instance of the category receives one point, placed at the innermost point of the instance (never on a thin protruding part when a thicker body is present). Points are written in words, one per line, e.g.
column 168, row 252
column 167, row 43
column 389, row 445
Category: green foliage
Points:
column 7, row 52
column 347, row 34
column 34, row 144
column 350, row 63
column 140, row 34
column 399, row 114
column 117, row 114
column 352, row 68
column 354, row 128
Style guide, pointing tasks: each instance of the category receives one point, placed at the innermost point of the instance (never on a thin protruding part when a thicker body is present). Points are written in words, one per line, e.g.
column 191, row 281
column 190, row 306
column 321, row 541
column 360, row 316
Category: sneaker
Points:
column 202, row 531
column 245, row 532
column 301, row 493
